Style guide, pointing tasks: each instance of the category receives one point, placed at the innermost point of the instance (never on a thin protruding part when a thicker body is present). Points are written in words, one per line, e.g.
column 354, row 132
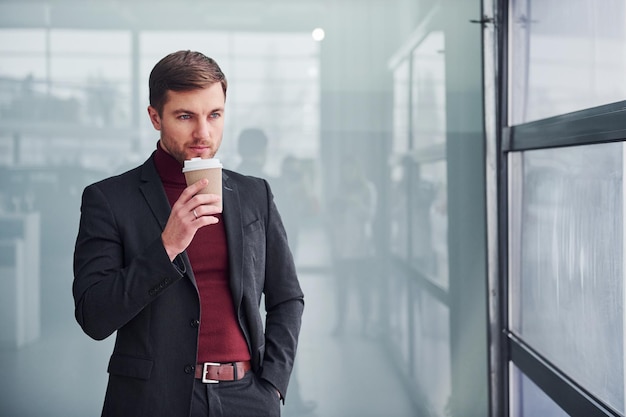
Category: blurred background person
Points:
column 252, row 146
column 350, row 219
column 295, row 196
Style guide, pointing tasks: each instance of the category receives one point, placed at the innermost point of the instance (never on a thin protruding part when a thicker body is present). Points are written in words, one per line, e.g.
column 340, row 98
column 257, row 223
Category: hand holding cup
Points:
column 196, row 169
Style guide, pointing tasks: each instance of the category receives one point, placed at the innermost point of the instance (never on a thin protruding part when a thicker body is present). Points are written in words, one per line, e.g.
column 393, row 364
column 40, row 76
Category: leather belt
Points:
column 212, row 373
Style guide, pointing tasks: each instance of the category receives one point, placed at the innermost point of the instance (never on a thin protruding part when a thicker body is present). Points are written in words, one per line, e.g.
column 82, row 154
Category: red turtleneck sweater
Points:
column 221, row 338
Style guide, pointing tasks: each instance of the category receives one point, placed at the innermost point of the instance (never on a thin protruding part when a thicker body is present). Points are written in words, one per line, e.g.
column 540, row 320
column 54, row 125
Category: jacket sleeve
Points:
column 112, row 284
column 284, row 303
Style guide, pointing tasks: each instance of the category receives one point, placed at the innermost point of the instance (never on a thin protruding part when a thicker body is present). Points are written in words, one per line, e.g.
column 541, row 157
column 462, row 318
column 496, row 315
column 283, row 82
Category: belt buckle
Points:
column 205, row 369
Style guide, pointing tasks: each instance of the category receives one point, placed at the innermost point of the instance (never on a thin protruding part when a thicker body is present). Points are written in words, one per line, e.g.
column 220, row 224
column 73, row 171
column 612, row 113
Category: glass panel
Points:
column 566, row 292
column 156, row 44
column 90, row 72
column 102, row 44
column 432, row 350
column 22, row 73
column 48, row 100
column 7, row 147
column 429, row 221
column 428, row 132
column 428, row 118
column 401, row 108
column 290, row 45
column 399, row 323
column 32, row 41
column 399, row 218
column 29, row 71
column 528, row 400
column 558, row 44
column 400, row 163
column 274, row 68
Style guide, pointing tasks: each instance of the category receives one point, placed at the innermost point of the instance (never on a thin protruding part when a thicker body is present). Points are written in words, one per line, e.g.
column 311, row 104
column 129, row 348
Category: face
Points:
column 192, row 122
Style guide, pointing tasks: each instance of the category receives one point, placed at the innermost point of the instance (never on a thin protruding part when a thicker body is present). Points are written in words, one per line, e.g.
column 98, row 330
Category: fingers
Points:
column 191, row 197
column 201, row 221
column 181, row 228
column 206, row 205
column 192, row 190
column 189, row 213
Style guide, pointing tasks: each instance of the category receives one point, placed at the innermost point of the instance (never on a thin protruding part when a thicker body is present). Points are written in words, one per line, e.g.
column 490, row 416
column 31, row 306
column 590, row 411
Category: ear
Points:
column 154, row 117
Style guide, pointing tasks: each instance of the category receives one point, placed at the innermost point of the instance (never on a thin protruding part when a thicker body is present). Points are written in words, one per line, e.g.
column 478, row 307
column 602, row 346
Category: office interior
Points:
column 489, row 133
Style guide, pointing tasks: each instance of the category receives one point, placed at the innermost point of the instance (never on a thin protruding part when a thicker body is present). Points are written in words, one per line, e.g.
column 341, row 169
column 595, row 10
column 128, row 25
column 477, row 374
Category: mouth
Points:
column 199, row 148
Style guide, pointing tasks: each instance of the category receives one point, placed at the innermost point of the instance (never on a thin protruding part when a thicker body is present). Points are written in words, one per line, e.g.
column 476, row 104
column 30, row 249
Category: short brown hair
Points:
column 183, row 71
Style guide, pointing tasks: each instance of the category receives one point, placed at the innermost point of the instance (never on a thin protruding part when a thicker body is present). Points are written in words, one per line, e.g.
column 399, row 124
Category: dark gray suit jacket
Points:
column 125, row 282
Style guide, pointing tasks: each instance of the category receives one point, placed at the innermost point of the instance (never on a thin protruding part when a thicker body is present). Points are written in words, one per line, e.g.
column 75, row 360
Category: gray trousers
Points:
column 249, row 397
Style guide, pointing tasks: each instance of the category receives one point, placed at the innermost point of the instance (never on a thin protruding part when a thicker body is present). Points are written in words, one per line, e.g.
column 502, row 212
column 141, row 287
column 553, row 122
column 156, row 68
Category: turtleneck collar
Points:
column 169, row 169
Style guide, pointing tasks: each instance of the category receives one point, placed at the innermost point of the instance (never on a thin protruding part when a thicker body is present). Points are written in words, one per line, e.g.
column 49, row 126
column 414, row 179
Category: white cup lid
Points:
column 195, row 164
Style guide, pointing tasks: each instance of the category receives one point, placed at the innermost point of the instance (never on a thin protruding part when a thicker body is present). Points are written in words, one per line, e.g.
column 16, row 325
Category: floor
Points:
column 63, row 373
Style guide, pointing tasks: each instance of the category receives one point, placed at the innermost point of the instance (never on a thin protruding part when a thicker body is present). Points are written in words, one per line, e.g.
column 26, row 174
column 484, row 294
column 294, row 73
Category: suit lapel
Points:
column 152, row 190
column 234, row 236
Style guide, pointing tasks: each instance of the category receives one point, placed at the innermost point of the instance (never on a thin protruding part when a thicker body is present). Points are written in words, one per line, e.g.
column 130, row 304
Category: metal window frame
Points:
column 601, row 124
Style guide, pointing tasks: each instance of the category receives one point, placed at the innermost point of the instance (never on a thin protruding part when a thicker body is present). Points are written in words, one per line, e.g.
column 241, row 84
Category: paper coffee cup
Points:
column 196, row 169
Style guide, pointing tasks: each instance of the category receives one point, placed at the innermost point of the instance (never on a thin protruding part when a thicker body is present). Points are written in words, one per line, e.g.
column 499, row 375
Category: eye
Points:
column 215, row 115
column 184, row 117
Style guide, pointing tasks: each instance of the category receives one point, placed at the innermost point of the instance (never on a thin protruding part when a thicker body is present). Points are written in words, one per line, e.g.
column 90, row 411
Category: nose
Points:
column 202, row 129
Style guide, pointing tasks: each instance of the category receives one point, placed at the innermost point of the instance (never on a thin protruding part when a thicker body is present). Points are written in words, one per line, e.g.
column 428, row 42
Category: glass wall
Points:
column 437, row 182
column 566, row 298
column 528, row 400
column 421, row 337
column 564, row 158
column 555, row 45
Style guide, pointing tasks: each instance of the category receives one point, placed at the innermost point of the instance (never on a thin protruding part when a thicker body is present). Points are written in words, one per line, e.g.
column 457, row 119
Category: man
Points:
column 180, row 281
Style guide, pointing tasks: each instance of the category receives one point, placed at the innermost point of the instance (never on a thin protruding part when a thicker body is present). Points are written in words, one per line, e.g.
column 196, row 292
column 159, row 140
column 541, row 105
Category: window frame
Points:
column 595, row 125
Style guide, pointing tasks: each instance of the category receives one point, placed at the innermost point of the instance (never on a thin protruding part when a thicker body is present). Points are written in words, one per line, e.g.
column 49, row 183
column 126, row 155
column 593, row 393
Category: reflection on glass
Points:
column 400, row 163
column 399, row 217
column 419, row 224
column 429, row 220
column 431, row 346
column 428, row 230
column 401, row 91
column 567, row 299
column 419, row 214
column 428, row 93
column 558, row 44
column 528, row 400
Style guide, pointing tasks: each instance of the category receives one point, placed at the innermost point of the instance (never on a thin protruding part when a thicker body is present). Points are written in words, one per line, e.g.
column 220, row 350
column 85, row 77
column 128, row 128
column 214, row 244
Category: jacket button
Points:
column 195, row 323
column 189, row 369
